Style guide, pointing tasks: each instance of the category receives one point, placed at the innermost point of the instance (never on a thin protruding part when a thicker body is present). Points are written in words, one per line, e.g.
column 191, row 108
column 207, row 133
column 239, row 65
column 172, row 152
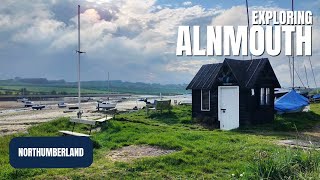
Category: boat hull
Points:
column 38, row 107
column 106, row 106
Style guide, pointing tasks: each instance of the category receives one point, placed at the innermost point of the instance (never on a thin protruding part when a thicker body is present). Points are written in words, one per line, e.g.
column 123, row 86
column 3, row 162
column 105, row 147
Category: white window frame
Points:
column 201, row 102
column 262, row 96
column 268, row 92
column 265, row 96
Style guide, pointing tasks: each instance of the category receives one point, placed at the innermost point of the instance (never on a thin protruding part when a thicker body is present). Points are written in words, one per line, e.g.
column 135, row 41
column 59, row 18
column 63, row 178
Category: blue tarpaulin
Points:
column 290, row 102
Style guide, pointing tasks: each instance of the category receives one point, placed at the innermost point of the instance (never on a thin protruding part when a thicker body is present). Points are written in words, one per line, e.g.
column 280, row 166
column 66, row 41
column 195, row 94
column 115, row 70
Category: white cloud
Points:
column 281, row 62
column 190, row 66
column 187, row 3
column 129, row 38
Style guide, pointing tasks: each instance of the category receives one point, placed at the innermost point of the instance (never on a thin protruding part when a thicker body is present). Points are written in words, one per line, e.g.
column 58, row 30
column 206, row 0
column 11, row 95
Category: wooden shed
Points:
column 234, row 93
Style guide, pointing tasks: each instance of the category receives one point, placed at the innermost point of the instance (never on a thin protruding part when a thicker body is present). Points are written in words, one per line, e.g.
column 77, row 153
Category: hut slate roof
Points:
column 245, row 71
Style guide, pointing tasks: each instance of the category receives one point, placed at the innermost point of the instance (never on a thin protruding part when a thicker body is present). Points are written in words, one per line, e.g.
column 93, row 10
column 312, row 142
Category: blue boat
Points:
column 316, row 97
column 290, row 103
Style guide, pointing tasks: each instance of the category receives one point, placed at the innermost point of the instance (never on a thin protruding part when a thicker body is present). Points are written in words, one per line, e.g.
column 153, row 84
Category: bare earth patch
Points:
column 295, row 143
column 132, row 152
column 314, row 133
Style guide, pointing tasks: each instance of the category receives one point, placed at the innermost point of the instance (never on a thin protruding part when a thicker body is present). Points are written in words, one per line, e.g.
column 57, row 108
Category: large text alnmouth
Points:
column 294, row 27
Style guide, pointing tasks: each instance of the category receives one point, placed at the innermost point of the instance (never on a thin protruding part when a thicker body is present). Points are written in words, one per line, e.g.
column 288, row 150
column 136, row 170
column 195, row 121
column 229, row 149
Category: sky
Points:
column 133, row 40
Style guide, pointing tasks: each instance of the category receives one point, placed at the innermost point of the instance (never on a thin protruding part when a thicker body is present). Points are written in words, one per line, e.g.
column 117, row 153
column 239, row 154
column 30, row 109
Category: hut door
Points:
column 228, row 107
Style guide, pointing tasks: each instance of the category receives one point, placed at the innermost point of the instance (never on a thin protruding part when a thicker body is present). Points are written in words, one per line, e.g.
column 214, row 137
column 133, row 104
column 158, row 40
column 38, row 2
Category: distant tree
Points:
column 63, row 93
column 23, row 91
column 53, row 92
column 7, row 92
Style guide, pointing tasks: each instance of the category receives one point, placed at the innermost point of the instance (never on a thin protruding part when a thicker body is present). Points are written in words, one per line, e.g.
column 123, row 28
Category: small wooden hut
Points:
column 234, row 93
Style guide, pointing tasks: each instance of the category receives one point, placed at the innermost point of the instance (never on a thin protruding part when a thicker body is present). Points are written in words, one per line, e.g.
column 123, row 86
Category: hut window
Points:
column 262, row 96
column 205, row 100
column 267, row 96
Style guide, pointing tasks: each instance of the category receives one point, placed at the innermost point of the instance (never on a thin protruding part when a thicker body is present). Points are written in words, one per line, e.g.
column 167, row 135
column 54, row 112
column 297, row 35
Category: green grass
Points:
column 201, row 153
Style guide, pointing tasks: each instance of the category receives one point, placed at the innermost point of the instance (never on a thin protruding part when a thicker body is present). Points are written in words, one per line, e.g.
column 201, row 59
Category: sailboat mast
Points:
column 292, row 35
column 248, row 21
column 305, row 70
column 314, row 78
column 79, row 52
column 108, row 86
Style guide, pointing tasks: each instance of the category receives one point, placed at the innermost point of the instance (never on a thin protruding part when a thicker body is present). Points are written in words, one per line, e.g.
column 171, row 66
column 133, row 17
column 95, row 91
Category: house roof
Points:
column 205, row 77
column 246, row 73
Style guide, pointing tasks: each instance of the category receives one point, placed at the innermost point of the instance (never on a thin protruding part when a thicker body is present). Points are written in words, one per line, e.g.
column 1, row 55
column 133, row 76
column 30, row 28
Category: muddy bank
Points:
column 14, row 117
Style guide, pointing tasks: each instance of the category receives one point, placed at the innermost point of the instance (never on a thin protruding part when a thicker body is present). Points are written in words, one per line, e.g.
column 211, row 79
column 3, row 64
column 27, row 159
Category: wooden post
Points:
column 74, row 123
column 147, row 110
column 114, row 113
column 90, row 129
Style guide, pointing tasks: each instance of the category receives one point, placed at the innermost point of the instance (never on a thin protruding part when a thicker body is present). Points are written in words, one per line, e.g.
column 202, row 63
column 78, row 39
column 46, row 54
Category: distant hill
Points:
column 45, row 86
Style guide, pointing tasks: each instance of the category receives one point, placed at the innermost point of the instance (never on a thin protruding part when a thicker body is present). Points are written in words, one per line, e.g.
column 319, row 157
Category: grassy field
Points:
column 48, row 90
column 201, row 153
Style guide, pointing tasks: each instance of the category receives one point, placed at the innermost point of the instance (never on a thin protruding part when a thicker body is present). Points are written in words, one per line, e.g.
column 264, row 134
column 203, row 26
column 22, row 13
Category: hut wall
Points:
column 262, row 113
column 244, row 104
column 251, row 112
column 209, row 117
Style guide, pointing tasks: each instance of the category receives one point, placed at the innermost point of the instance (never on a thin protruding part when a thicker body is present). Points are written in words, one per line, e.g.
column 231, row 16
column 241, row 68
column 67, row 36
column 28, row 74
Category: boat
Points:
column 38, row 107
column 106, row 105
column 62, row 105
column 22, row 100
column 74, row 106
column 315, row 98
column 28, row 104
column 282, row 91
column 141, row 99
column 185, row 102
column 291, row 102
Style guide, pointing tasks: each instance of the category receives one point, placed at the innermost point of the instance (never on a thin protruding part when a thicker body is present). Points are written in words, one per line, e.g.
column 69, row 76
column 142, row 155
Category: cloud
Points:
column 280, row 63
column 124, row 37
column 190, row 66
column 187, row 3
column 133, row 40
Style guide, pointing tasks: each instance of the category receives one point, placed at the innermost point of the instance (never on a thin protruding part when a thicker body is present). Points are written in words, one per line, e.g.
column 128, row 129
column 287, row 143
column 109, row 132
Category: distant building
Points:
column 234, row 93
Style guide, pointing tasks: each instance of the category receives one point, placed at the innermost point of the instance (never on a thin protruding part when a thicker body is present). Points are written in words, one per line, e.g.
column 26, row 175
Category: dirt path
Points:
column 314, row 133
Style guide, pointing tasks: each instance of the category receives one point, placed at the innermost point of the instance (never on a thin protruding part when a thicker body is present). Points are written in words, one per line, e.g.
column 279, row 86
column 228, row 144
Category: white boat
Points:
column 38, row 107
column 28, row 104
column 22, row 100
column 105, row 105
column 62, row 105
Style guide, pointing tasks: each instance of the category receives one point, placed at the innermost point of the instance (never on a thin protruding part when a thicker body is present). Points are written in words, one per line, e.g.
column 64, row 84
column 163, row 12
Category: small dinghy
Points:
column 290, row 103
column 316, row 97
column 38, row 107
column 28, row 104
column 105, row 105
column 62, row 105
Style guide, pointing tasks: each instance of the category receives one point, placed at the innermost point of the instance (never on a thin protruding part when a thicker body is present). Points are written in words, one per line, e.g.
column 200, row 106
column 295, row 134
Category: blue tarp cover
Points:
column 316, row 96
column 290, row 102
